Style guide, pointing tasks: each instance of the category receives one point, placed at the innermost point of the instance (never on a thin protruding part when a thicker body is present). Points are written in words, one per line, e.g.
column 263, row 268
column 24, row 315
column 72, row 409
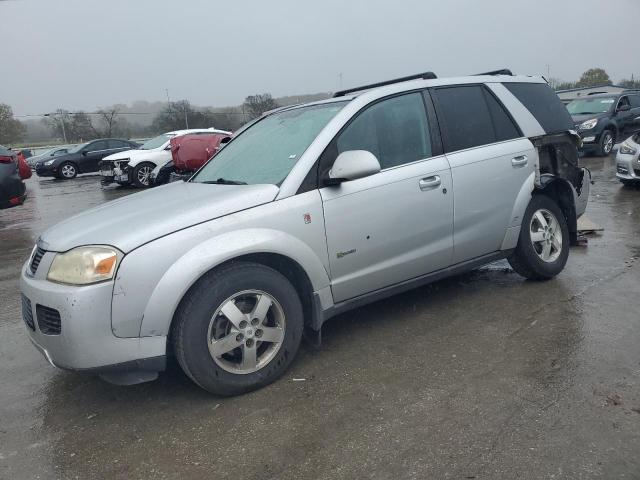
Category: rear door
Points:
column 635, row 109
column 490, row 163
column 397, row 224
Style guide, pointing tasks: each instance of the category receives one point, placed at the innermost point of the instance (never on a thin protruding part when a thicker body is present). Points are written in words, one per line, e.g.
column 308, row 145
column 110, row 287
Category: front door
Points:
column 395, row 225
column 92, row 154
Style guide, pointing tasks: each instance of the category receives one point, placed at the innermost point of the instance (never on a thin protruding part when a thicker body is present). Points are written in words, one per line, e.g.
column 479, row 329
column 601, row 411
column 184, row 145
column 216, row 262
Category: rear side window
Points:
column 544, row 105
column 471, row 117
column 395, row 130
column 635, row 100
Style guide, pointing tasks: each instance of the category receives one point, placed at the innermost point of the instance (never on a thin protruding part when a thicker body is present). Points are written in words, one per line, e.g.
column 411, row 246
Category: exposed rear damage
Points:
column 558, row 173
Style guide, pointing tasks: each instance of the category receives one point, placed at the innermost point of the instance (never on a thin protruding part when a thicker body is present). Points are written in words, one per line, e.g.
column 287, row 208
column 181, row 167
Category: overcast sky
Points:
column 84, row 54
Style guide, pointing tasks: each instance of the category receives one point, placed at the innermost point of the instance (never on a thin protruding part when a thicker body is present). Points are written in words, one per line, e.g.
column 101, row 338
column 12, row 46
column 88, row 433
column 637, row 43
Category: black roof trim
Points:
column 419, row 76
column 503, row 71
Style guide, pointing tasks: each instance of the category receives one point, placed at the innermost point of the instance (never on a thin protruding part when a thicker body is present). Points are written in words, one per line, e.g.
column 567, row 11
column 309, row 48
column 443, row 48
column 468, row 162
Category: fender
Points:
column 190, row 267
column 563, row 192
column 517, row 213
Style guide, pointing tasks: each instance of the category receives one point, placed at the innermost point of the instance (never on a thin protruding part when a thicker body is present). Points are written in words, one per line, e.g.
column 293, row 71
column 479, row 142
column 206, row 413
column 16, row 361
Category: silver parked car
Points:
column 310, row 211
column 628, row 161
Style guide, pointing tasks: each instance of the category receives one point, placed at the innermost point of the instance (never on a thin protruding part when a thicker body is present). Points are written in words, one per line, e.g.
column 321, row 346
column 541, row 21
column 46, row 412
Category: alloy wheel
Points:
column 144, row 174
column 68, row 171
column 246, row 331
column 608, row 143
column 546, row 235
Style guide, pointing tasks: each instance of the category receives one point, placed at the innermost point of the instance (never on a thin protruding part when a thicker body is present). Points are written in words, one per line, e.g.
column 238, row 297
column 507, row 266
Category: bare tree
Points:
column 11, row 130
column 109, row 119
column 256, row 105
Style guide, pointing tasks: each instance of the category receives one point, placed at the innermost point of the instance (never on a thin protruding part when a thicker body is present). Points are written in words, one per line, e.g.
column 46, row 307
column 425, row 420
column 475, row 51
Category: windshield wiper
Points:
column 586, row 113
column 224, row 181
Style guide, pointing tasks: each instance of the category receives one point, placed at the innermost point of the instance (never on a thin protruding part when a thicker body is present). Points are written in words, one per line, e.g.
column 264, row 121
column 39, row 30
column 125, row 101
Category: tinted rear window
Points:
column 472, row 117
column 544, row 105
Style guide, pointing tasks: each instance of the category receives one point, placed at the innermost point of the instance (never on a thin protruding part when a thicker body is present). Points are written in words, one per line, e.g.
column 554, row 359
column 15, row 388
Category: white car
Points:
column 135, row 166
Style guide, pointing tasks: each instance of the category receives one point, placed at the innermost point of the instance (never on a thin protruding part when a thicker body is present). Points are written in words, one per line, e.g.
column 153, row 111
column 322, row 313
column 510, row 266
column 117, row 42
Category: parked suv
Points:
column 603, row 119
column 134, row 167
column 83, row 158
column 309, row 212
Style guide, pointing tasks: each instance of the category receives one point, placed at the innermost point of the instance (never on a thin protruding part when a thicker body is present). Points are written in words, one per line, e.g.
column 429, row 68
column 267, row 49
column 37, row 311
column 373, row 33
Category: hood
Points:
column 133, row 154
column 131, row 221
column 578, row 119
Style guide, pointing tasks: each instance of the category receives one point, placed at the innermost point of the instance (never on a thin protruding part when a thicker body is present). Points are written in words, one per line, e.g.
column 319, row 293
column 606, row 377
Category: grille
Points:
column 48, row 320
column 27, row 313
column 35, row 261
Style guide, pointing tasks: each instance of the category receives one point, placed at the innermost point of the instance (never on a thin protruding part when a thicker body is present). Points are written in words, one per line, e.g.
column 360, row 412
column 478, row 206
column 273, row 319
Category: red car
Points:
column 189, row 153
column 12, row 189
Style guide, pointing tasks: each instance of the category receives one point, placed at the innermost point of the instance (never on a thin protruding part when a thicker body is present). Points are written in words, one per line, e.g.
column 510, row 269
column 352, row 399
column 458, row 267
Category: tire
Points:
column 209, row 313
column 141, row 174
column 528, row 257
column 67, row 171
column 607, row 140
column 630, row 183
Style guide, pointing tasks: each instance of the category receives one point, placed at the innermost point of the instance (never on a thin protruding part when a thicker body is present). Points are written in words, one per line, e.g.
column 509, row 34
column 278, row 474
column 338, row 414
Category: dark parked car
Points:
column 603, row 119
column 82, row 159
column 12, row 190
column 48, row 155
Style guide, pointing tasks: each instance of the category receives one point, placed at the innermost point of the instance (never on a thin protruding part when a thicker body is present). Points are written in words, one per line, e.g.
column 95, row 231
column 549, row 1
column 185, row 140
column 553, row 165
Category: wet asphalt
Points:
column 483, row 375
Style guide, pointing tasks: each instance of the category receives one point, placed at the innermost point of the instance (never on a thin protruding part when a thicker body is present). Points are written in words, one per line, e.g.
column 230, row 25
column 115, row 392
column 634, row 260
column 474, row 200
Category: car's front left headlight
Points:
column 589, row 124
column 627, row 149
column 49, row 162
column 84, row 265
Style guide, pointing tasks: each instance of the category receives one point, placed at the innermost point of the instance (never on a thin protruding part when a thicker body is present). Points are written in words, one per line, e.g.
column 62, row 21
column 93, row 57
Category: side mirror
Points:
column 351, row 165
column 84, row 153
column 624, row 108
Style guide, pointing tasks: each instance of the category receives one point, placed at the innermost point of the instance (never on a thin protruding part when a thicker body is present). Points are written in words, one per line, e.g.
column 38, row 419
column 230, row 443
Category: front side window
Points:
column 96, row 146
column 395, row 130
column 622, row 102
column 635, row 100
column 266, row 152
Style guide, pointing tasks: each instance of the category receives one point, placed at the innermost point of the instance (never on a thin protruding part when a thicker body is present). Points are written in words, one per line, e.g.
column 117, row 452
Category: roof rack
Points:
column 419, row 76
column 503, row 71
column 630, row 90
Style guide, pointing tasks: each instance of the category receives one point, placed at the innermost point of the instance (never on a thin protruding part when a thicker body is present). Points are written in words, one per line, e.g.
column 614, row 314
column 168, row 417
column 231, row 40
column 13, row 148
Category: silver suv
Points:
column 308, row 212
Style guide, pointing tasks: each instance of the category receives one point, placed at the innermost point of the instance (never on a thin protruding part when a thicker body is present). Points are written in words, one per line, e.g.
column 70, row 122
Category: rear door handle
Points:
column 430, row 182
column 519, row 161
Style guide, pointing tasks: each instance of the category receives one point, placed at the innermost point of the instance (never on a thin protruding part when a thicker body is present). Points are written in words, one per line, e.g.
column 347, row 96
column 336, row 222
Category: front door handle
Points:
column 430, row 182
column 519, row 161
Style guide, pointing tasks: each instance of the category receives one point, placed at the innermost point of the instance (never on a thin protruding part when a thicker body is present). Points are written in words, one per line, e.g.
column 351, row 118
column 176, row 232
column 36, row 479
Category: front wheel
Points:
column 606, row 143
column 543, row 245
column 238, row 328
column 67, row 171
column 142, row 174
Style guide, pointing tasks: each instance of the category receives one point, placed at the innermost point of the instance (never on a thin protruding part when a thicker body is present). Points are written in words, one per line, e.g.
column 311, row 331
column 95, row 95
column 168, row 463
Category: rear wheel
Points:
column 238, row 328
column 67, row 171
column 142, row 174
column 543, row 245
column 606, row 143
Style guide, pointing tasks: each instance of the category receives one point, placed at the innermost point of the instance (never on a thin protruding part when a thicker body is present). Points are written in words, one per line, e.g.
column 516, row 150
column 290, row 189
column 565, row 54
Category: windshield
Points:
column 156, row 142
column 268, row 150
column 590, row 105
column 77, row 148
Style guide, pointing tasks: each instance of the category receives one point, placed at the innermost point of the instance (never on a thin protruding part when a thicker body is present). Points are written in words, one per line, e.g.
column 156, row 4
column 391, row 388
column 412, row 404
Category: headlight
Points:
column 627, row 149
column 49, row 162
column 84, row 265
column 589, row 124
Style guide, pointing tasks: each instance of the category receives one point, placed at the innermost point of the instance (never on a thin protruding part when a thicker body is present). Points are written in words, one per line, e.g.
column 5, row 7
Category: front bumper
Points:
column 590, row 138
column 85, row 341
column 114, row 171
column 628, row 166
column 46, row 170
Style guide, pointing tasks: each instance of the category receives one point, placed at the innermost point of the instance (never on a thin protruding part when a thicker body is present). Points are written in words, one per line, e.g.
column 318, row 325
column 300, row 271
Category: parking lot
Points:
column 484, row 375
